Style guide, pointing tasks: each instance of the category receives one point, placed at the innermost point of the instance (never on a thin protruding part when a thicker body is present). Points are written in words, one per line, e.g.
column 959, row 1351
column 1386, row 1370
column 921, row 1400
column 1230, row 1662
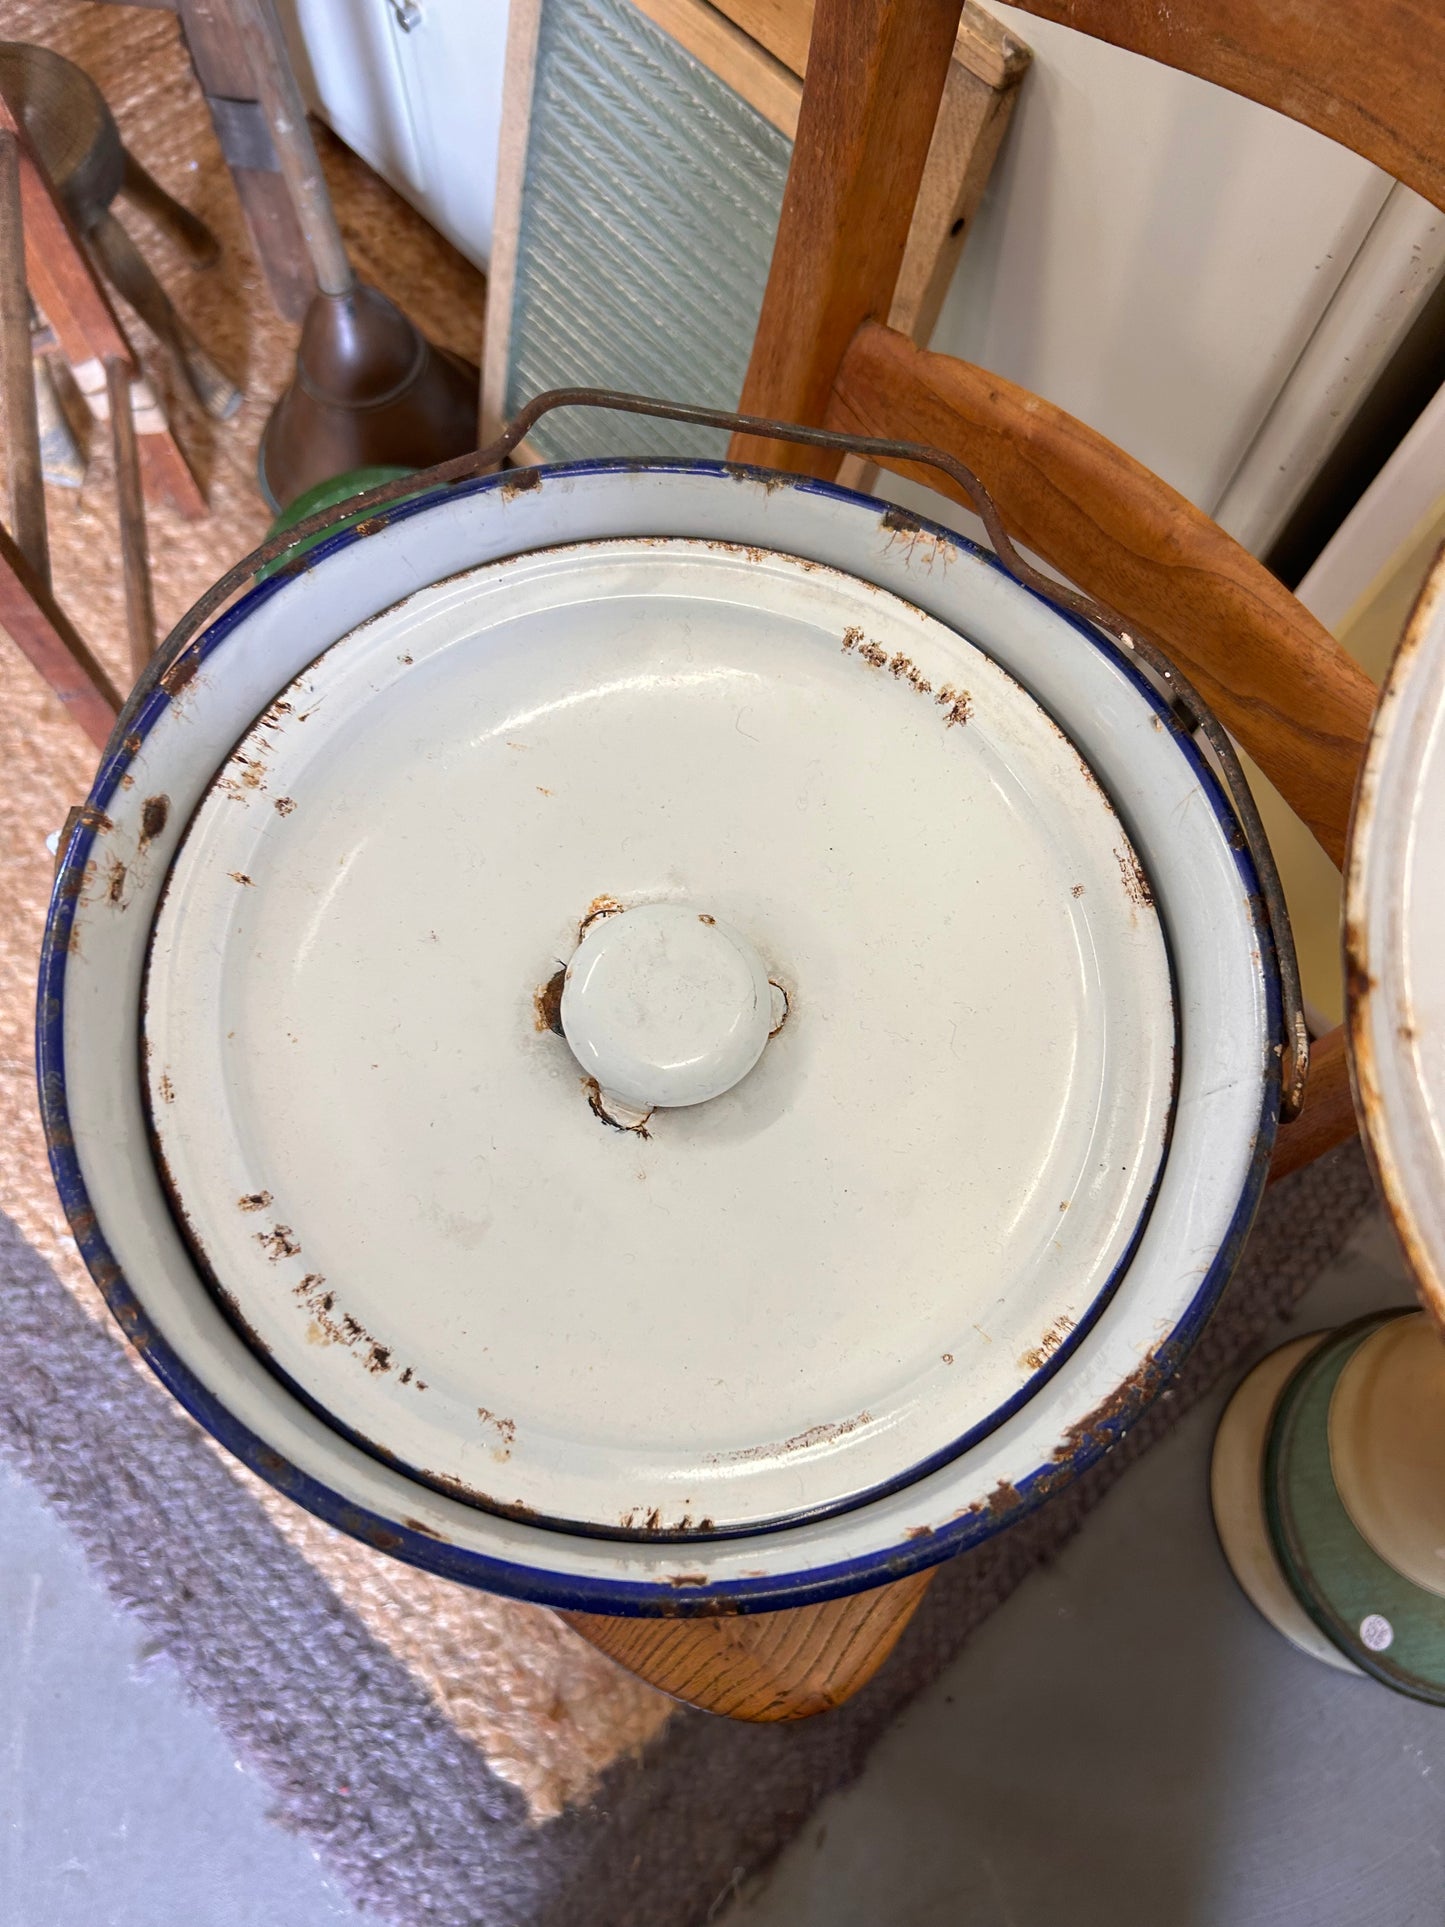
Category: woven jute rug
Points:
column 455, row 1758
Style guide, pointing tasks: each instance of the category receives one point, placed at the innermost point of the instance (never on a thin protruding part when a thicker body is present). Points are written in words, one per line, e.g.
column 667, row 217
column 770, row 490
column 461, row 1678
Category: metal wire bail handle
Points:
column 1189, row 706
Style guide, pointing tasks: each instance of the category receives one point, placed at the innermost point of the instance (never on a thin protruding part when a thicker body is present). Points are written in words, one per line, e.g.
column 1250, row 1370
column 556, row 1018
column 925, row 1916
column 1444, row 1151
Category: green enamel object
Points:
column 1391, row 1628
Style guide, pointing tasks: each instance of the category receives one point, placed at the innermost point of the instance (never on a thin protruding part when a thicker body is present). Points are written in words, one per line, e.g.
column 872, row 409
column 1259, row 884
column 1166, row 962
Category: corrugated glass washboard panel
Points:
column 650, row 203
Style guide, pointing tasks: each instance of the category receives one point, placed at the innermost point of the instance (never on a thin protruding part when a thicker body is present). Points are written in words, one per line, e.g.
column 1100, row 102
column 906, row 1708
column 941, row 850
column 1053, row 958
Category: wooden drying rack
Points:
column 41, row 252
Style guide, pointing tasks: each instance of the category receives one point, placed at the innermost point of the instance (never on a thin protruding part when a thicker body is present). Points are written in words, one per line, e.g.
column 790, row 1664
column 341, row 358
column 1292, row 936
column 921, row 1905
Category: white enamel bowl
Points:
column 1395, row 938
column 1142, row 1278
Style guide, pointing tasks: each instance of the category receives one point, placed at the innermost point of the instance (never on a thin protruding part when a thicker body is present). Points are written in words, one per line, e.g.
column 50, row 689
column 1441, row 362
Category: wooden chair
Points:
column 1368, row 74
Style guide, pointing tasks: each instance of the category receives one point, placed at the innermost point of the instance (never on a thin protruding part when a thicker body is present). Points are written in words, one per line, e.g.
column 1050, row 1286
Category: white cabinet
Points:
column 1153, row 253
column 415, row 86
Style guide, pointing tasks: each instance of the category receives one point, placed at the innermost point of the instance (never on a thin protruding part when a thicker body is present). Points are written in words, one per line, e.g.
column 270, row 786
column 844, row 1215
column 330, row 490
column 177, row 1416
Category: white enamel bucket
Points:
column 979, row 1005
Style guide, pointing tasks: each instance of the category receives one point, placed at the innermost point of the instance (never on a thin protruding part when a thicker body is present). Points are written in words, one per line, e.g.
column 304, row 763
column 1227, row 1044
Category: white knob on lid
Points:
column 666, row 1006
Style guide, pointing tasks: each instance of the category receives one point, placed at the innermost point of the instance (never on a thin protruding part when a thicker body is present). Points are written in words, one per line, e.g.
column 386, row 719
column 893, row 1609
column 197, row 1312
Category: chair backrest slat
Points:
column 876, row 74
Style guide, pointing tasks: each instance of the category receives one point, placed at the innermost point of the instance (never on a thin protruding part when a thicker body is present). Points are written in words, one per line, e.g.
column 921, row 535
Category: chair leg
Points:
column 140, row 614
column 187, row 230
column 38, row 627
column 128, row 269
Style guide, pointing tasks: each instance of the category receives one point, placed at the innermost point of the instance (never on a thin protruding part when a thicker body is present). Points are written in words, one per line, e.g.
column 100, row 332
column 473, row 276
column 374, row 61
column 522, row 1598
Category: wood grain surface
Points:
column 866, row 122
column 167, row 476
column 782, row 26
column 59, row 274
column 69, row 294
column 1329, row 1115
column 18, row 417
column 763, row 1666
column 274, row 82
column 785, row 27
column 135, row 562
column 223, row 69
column 743, row 62
column 1278, row 681
column 973, row 117
column 524, row 24
column 739, row 42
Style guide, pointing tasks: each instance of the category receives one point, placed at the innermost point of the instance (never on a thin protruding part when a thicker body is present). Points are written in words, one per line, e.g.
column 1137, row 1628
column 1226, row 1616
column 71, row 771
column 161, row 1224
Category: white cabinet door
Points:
column 415, row 87
column 1153, row 253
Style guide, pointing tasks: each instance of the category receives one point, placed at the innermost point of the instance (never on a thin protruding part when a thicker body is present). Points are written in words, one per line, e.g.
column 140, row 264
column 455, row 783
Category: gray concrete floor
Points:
column 1125, row 1743
column 121, row 1804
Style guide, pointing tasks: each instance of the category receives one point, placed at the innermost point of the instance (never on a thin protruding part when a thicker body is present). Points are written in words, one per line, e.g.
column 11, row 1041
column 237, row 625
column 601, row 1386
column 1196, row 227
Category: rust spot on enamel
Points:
column 518, row 481
column 180, row 675
column 905, row 670
column 1136, row 883
column 505, row 1430
column 957, row 704
column 1106, row 1423
column 154, row 815
column 599, row 1110
column 603, row 906
column 824, row 1434
column 1039, row 1355
column 1003, row 1501
column 920, row 543
column 279, row 1242
column 547, row 1002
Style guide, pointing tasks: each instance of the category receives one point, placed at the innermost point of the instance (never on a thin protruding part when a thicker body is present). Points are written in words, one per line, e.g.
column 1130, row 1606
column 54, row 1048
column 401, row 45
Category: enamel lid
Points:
column 1395, row 942
column 659, row 1036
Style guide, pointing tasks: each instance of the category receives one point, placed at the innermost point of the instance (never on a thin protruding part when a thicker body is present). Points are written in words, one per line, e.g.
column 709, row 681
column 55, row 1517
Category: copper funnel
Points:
column 369, row 391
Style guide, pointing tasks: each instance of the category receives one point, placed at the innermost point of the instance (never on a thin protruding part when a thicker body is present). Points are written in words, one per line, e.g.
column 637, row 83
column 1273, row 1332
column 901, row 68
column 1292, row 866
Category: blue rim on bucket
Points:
column 147, row 703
